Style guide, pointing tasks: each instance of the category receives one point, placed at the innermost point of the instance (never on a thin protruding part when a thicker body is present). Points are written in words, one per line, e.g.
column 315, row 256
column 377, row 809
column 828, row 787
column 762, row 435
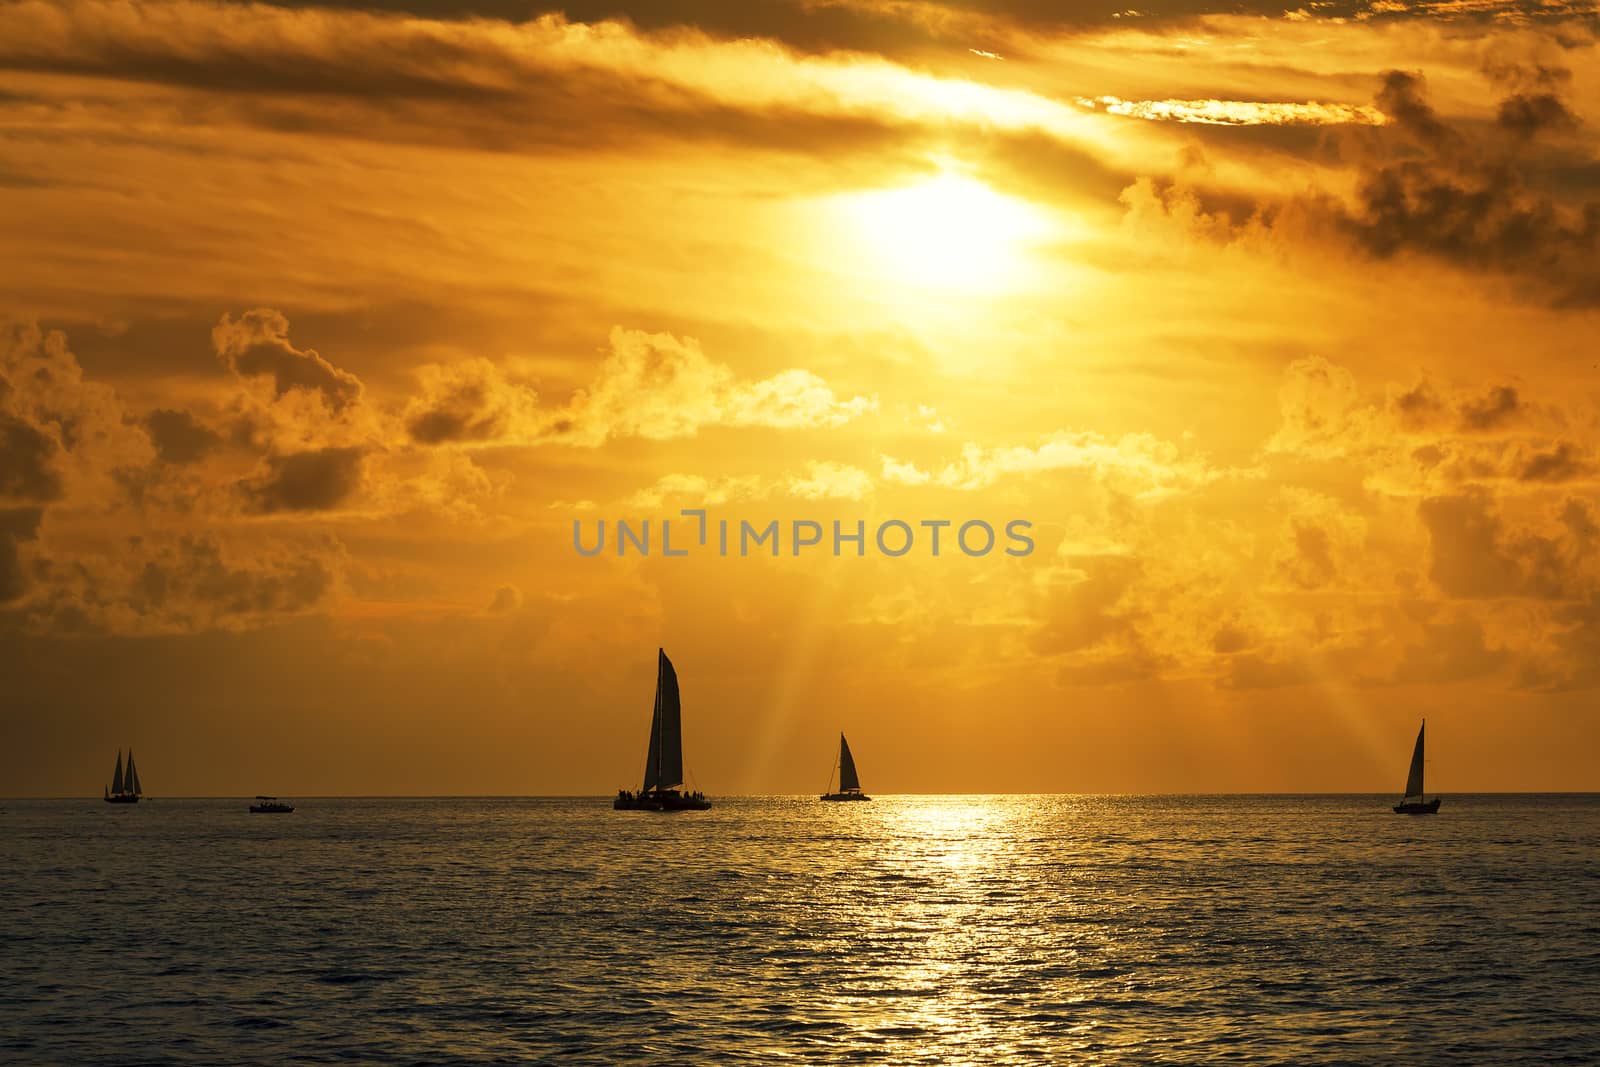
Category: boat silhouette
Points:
column 849, row 783
column 1413, row 803
column 663, row 766
column 125, row 787
column 266, row 805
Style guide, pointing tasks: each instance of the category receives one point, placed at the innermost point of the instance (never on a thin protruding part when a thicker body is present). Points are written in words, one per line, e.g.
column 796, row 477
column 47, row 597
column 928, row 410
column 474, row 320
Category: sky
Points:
column 322, row 327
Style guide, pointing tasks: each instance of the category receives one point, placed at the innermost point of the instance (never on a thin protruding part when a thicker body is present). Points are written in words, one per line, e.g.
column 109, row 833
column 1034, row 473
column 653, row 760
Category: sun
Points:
column 947, row 232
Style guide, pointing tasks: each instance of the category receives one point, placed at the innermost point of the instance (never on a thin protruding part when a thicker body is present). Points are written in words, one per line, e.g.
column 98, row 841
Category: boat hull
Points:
column 660, row 800
column 122, row 798
column 844, row 796
column 1430, row 807
column 271, row 809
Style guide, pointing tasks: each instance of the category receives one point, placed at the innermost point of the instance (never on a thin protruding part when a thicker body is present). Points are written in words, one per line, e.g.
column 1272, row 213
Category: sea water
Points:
column 998, row 929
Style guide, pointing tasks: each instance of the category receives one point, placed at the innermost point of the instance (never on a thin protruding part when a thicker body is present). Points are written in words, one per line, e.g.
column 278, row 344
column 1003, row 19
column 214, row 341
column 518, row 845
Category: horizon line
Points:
column 762, row 796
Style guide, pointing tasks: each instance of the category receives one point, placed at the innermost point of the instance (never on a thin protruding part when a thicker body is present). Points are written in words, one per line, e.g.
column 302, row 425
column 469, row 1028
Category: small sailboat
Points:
column 266, row 805
column 849, row 784
column 1413, row 803
column 125, row 787
column 663, row 765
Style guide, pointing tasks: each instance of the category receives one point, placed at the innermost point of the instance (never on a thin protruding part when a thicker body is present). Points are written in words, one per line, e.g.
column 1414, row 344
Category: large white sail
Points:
column 848, row 782
column 1414, row 778
column 133, row 776
column 663, row 768
column 116, row 779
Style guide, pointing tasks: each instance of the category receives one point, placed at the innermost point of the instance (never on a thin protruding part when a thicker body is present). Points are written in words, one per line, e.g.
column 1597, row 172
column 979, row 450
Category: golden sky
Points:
column 320, row 327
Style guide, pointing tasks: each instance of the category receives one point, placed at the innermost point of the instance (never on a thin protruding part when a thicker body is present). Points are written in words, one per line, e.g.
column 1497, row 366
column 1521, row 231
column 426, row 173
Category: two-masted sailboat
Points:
column 663, row 764
column 1413, row 803
column 125, row 787
column 849, row 783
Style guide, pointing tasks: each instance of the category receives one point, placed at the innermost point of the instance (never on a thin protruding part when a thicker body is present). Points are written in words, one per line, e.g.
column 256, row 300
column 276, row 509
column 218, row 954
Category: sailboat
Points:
column 663, row 765
column 125, row 787
column 849, row 784
column 1413, row 803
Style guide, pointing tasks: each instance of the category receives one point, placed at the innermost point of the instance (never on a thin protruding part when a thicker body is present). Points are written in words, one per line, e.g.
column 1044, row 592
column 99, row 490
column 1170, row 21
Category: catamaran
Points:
column 1413, row 803
column 849, row 784
column 125, row 787
column 663, row 764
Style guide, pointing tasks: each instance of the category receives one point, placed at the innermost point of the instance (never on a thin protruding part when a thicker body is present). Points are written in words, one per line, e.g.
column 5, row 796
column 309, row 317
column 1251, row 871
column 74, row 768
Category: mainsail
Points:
column 848, row 782
column 663, row 767
column 133, row 776
column 116, row 779
column 1414, row 778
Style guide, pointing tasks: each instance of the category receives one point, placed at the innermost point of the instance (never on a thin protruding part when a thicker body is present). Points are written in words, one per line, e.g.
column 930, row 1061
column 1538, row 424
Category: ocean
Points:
column 914, row 929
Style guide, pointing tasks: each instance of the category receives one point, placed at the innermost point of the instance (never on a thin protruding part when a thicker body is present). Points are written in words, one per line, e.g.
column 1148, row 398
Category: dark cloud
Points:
column 1418, row 407
column 195, row 577
column 1574, row 662
column 1089, row 610
column 27, row 455
column 1250, row 670
column 1229, row 639
column 506, row 598
column 16, row 526
column 1401, row 98
column 1481, row 197
column 318, row 480
column 179, row 437
column 1466, row 199
column 1564, row 462
column 1473, row 555
column 1450, row 651
column 1310, row 564
column 189, row 585
column 257, row 343
column 1531, row 115
column 1491, row 411
column 459, row 415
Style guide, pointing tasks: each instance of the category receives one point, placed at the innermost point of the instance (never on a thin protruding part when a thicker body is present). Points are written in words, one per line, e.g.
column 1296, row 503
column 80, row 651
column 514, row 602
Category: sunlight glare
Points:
column 949, row 232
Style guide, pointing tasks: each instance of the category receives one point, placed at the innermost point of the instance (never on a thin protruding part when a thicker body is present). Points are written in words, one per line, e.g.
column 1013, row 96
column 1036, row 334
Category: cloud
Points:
column 471, row 401
column 1472, row 555
column 63, row 438
column 659, row 387
column 1453, row 650
column 1087, row 606
column 903, row 473
column 1322, row 412
column 1238, row 112
column 1571, row 660
column 831, row 481
column 188, row 584
column 1493, row 411
column 506, row 598
column 1319, row 541
column 27, row 470
column 16, row 526
column 257, row 344
column 1563, row 462
column 822, row 480
column 179, row 437
column 1465, row 194
column 1136, row 463
column 318, row 480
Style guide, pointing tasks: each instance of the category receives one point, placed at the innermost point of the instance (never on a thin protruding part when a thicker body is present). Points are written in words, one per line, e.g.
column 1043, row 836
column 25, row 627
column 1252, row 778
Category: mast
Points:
column 116, row 779
column 848, row 782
